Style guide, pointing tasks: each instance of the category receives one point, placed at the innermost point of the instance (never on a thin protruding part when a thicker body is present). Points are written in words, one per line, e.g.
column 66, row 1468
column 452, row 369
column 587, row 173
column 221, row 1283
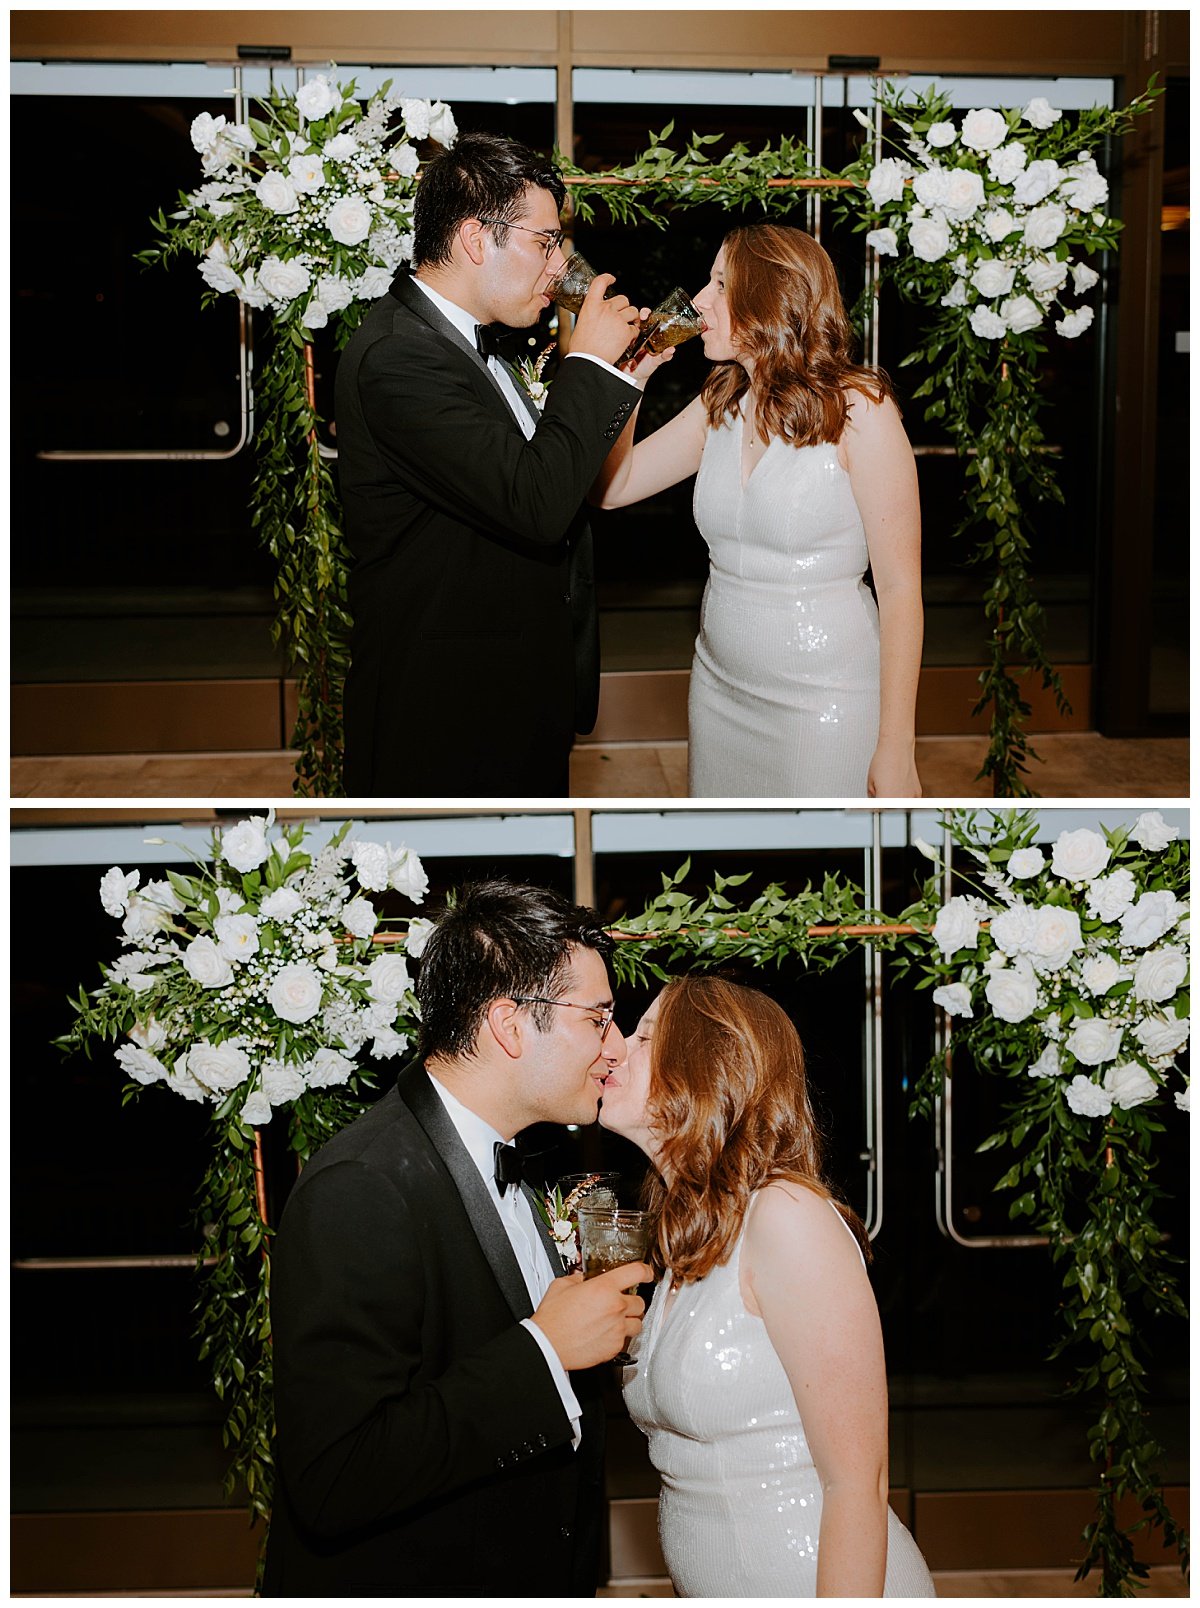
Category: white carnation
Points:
column 1159, row 974
column 149, row 1035
column 418, row 936
column 282, row 904
column 988, row 325
column 1045, row 275
column 1108, row 898
column 1084, row 186
column 1048, row 1064
column 359, row 918
column 140, row 1064
column 1102, row 972
column 327, row 1068
column 180, row 1081
column 954, row 998
column 256, row 1112
column 316, row 98
column 1087, row 1099
column 416, row 118
column 1040, row 114
column 282, row 1082
column 237, row 936
column 341, row 147
column 334, row 292
column 1094, row 1039
column 1145, row 922
column 1006, row 162
column 387, row 1043
column 244, row 846
column 983, row 130
column 1149, row 832
column 315, row 315
column 1084, row 277
column 205, row 962
column 1021, row 314
column 1036, row 182
column 1013, row 930
column 956, row 296
column 1129, row 1085
column 143, row 918
column 374, row 282
column 115, row 887
column 1162, row 1037
column 404, row 159
column 1183, row 1098
column 884, row 241
column 1079, row 856
column 295, row 993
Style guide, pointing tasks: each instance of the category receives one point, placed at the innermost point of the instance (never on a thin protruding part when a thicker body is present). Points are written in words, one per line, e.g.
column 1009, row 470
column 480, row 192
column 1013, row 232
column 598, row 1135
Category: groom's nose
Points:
column 614, row 1051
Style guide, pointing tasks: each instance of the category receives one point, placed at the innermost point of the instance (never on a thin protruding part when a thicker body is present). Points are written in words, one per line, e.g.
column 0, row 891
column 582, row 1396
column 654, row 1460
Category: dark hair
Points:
column 728, row 1099
column 482, row 176
column 494, row 939
column 786, row 314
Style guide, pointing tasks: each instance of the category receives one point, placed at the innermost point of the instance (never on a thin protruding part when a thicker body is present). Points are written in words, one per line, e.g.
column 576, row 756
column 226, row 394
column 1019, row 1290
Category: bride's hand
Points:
column 648, row 362
column 893, row 771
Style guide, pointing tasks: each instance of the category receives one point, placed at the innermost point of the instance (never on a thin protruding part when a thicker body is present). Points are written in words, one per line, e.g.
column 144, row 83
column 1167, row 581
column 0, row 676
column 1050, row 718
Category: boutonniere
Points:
column 560, row 1215
column 529, row 372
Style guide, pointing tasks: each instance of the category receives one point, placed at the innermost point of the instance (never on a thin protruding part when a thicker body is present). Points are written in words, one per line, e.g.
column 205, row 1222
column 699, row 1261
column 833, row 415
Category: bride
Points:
column 758, row 1376
column 801, row 686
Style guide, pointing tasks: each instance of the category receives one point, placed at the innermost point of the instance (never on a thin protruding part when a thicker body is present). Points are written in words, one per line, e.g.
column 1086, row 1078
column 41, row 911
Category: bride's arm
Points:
column 883, row 477
column 631, row 473
column 802, row 1274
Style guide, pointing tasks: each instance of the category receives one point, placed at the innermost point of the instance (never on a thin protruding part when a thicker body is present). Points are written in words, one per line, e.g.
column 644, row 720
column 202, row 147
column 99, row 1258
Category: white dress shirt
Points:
column 466, row 324
column 516, row 1214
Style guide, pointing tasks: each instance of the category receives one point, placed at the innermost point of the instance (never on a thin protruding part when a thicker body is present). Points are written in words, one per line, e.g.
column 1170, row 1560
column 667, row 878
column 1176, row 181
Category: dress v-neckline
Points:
column 743, row 478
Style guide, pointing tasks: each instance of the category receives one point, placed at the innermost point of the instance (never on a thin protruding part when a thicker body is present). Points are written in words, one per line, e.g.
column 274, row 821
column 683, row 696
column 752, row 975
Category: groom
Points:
column 475, row 654
column 431, row 1440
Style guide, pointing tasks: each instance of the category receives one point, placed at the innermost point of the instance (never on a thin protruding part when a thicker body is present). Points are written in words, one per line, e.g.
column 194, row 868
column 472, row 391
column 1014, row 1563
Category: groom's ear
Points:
column 504, row 1023
column 470, row 238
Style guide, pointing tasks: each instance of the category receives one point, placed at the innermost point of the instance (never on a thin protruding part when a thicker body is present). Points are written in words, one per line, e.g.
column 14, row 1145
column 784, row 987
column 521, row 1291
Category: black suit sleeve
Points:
column 379, row 1407
column 437, row 423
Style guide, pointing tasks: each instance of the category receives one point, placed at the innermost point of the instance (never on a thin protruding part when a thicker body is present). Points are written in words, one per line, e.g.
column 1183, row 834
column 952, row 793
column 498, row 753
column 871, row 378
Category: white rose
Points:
column 316, row 98
column 252, row 293
column 942, row 134
column 885, row 183
column 1012, row 992
column 964, row 194
column 929, row 238
column 218, row 1067
column 1183, row 1098
column 1036, row 182
column 407, row 875
column 277, row 193
column 1079, row 856
column 404, row 159
column 315, row 316
column 442, row 126
column 1044, row 225
column 1084, row 186
column 1021, row 314
column 282, row 904
column 993, row 277
column 115, row 887
column 954, row 998
column 1146, row 921
column 284, row 281
column 998, row 223
column 148, row 1035
column 956, row 296
column 988, row 325
column 1108, row 898
column 1084, row 277
column 387, row 1042
column 164, row 896
column 1159, row 974
column 418, row 936
column 140, row 1064
column 984, row 130
column 349, row 220
column 1129, row 1085
column 416, row 118
column 372, row 283
column 143, row 919
column 328, row 1068
column 1056, row 937
column 282, row 1082
column 295, row 994
column 244, row 846
column 387, row 979
column 205, row 962
column 1149, row 831
column 1102, row 972
column 217, row 274
column 1162, row 1037
column 1040, row 113
column 1025, row 862
column 884, row 241
column 1047, row 1064
column 956, row 926
column 1006, row 162
column 237, row 936
column 1093, row 1039
column 256, row 1112
column 359, row 918
column 1045, row 275
column 306, row 172
column 1088, row 1099
column 334, row 292
column 180, row 1081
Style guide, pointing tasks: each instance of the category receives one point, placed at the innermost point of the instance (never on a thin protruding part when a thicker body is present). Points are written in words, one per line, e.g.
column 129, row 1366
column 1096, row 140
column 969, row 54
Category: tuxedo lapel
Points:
column 421, row 1098
column 551, row 1249
column 419, row 304
column 527, row 401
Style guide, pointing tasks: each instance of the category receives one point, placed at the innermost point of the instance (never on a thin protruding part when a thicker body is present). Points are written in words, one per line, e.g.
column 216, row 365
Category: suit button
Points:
column 566, row 597
column 502, row 1462
column 565, row 1532
column 541, row 1442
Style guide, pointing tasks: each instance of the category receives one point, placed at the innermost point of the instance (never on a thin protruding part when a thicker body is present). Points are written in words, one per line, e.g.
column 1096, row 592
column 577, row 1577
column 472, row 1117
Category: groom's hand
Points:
column 589, row 1321
column 604, row 328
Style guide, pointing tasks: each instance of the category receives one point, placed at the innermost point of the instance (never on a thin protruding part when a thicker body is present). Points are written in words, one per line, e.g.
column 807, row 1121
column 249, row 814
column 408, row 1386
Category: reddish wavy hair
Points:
column 786, row 314
column 728, row 1090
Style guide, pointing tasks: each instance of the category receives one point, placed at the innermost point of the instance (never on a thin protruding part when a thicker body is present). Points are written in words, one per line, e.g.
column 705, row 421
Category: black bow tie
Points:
column 508, row 1167
column 490, row 339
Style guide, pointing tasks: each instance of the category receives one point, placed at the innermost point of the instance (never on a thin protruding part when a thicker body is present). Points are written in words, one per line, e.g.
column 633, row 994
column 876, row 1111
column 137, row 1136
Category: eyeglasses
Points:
column 603, row 1019
column 551, row 240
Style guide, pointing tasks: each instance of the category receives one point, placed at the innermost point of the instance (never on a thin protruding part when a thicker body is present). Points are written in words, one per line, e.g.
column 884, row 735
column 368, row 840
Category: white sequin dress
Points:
column 740, row 1510
column 784, row 697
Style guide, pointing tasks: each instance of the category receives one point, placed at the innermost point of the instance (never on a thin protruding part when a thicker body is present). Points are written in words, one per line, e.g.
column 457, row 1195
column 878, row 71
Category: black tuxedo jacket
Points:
column 475, row 652
column 422, row 1448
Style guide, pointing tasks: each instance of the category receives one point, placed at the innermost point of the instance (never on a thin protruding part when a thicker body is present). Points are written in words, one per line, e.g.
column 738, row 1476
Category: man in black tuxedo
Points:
column 430, row 1439
column 475, row 652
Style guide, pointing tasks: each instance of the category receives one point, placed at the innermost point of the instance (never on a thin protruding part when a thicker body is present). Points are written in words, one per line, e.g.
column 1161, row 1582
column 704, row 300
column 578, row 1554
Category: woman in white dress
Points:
column 801, row 686
column 758, row 1376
